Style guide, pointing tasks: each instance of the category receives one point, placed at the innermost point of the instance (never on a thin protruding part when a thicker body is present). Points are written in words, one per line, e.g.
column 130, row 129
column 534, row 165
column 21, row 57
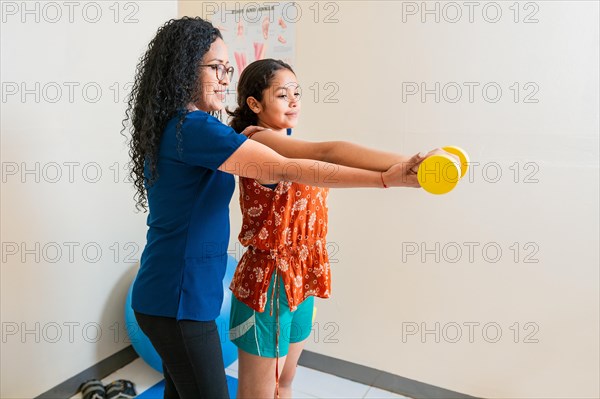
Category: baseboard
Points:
column 341, row 368
column 376, row 378
column 98, row 371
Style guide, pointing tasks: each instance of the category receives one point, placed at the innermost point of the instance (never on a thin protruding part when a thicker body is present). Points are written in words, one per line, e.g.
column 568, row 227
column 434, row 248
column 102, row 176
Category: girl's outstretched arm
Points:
column 336, row 152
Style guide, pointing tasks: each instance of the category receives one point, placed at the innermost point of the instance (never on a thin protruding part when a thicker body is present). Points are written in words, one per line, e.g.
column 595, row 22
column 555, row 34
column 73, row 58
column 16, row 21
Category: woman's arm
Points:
column 337, row 152
column 255, row 160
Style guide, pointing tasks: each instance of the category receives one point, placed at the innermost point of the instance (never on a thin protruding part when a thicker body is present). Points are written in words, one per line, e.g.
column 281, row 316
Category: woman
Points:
column 183, row 159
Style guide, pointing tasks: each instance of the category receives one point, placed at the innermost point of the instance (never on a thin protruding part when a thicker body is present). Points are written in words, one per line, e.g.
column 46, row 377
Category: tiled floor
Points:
column 307, row 384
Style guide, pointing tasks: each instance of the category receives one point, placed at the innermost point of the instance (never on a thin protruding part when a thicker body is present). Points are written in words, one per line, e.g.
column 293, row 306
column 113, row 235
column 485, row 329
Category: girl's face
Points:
column 213, row 79
column 280, row 106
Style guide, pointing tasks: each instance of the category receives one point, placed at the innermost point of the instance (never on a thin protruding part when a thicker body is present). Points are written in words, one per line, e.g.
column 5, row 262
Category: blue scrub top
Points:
column 185, row 257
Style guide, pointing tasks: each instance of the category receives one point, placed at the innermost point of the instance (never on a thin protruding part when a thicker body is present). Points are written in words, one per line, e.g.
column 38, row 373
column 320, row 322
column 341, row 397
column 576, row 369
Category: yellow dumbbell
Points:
column 440, row 173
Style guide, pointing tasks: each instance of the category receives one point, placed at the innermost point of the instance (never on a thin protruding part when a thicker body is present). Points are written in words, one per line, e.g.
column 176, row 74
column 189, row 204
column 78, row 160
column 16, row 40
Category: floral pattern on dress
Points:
column 311, row 221
column 248, row 235
column 283, row 229
column 303, row 253
column 264, row 233
column 282, row 264
column 277, row 218
column 255, row 211
column 299, row 205
column 283, row 188
column 259, row 273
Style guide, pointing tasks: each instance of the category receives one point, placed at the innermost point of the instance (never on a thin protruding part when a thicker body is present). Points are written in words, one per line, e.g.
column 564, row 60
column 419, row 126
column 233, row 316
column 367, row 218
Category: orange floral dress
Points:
column 284, row 230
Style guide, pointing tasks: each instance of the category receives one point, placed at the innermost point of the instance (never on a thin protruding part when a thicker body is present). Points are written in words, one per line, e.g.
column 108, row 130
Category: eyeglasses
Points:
column 221, row 70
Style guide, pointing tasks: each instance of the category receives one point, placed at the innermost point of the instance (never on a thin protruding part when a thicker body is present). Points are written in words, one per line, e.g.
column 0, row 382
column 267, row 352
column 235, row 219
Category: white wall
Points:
column 550, row 208
column 52, row 306
column 54, row 301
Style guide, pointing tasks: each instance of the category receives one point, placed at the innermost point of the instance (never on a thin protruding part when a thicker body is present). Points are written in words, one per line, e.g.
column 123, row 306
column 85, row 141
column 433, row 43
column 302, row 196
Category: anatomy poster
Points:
column 254, row 31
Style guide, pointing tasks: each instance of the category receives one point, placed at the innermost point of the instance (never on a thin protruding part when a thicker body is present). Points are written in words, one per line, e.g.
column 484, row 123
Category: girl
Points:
column 284, row 227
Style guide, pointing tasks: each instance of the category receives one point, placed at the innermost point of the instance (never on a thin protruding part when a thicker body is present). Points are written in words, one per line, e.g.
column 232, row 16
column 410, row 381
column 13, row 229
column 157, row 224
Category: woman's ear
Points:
column 254, row 105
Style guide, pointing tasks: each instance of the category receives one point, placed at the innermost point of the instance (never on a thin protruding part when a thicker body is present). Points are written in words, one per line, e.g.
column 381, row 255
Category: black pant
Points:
column 191, row 354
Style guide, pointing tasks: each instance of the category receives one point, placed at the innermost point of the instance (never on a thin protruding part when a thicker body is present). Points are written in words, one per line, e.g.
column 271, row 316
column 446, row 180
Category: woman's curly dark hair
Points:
column 255, row 78
column 166, row 81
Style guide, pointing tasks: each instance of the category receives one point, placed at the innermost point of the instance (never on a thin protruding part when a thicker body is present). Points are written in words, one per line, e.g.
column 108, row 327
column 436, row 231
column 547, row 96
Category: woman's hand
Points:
column 404, row 174
column 250, row 130
column 436, row 151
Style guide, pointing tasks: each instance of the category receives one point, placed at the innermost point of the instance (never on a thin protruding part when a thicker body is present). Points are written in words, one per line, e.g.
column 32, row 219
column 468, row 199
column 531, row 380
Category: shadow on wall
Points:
column 114, row 331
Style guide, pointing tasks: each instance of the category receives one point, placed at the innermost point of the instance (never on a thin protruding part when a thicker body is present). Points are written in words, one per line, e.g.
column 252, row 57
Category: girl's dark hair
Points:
column 255, row 78
column 166, row 80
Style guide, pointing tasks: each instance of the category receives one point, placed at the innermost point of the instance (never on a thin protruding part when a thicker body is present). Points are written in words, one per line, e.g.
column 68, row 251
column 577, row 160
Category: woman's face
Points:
column 280, row 105
column 212, row 89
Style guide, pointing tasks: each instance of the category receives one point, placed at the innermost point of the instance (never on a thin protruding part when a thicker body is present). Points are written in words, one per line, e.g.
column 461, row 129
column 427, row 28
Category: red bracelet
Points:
column 382, row 182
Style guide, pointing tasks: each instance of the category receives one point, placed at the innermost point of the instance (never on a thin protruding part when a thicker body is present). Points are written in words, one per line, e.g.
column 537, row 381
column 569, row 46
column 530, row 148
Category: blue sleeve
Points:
column 208, row 142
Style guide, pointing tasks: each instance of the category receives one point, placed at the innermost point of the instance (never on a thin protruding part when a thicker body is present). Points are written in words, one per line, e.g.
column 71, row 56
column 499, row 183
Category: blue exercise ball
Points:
column 142, row 345
column 140, row 342
column 230, row 352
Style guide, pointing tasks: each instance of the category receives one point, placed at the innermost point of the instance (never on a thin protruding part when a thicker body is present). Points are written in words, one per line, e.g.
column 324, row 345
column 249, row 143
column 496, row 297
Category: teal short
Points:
column 255, row 332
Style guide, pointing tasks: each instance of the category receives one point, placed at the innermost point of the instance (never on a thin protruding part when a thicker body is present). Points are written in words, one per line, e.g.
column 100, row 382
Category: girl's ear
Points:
column 254, row 105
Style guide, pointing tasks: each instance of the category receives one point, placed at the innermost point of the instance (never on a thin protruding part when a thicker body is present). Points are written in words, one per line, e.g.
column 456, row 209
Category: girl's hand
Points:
column 403, row 174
